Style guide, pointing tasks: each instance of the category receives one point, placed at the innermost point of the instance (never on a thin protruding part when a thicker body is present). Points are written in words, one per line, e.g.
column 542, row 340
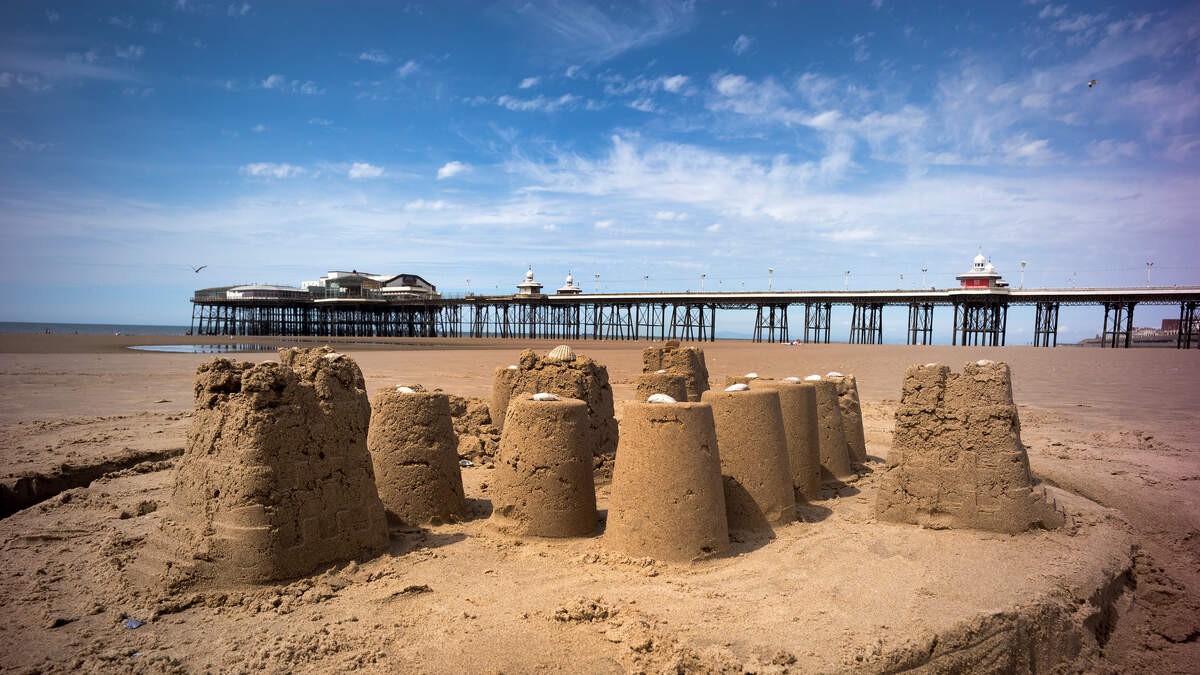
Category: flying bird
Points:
column 197, row 269
column 1092, row 83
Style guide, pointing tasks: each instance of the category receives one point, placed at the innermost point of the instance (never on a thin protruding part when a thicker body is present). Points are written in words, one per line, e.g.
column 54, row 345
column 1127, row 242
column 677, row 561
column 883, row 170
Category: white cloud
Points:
column 603, row 224
column 1051, row 11
column 125, row 22
column 237, row 9
column 674, row 83
column 52, row 16
column 374, row 56
column 321, row 122
column 131, row 53
column 423, row 205
column 584, row 30
column 26, row 145
column 715, row 227
column 364, row 170
column 643, row 105
column 741, row 44
column 537, row 104
column 859, row 42
column 1110, row 150
column 529, row 82
column 259, row 128
column 274, row 82
column 271, row 170
column 310, row 88
column 407, row 69
column 452, row 169
column 573, row 72
column 670, row 215
column 550, row 227
column 281, row 83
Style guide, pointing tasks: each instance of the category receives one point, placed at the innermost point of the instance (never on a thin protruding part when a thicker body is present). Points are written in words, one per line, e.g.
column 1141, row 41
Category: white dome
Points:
column 529, row 275
column 980, row 260
column 570, row 279
column 990, row 268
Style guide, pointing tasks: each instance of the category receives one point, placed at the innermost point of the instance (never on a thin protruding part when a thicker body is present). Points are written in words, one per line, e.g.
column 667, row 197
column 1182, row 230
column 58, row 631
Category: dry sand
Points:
column 836, row 590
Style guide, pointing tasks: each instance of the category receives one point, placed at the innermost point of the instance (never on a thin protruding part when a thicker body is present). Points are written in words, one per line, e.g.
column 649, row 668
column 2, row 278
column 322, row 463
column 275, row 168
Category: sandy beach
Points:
column 1114, row 433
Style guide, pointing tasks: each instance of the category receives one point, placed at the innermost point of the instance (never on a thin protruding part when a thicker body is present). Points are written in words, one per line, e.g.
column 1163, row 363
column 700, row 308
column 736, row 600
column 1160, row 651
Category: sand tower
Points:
column 415, row 455
column 957, row 458
column 852, row 421
column 544, row 485
column 276, row 481
column 798, row 404
column 754, row 458
column 835, row 452
column 671, row 384
column 502, row 387
column 569, row 375
column 667, row 498
column 740, row 379
column 686, row 361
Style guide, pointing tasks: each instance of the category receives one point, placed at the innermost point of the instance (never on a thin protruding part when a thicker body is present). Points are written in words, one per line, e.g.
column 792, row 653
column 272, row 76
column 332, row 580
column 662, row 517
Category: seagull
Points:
column 1092, row 83
column 197, row 269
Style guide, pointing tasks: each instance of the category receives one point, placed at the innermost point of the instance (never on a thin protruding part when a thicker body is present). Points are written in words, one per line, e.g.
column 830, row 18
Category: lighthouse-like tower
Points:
column 529, row 286
column 983, row 275
column 569, row 286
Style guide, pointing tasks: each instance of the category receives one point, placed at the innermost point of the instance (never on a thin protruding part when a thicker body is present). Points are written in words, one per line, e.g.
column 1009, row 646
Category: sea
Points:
column 89, row 328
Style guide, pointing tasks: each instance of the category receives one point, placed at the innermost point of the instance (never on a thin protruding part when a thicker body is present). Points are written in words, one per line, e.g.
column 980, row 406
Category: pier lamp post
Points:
column 1148, row 266
column 770, row 278
column 702, row 283
column 468, row 286
column 902, row 280
column 847, row 285
column 923, row 271
column 645, row 282
column 1023, row 264
column 597, row 275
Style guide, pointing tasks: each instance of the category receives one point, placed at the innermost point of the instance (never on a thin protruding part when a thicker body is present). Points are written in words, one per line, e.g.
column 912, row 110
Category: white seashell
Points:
column 406, row 390
column 660, row 371
column 793, row 378
column 512, row 368
column 930, row 365
column 543, row 396
column 984, row 362
column 813, row 378
column 561, row 353
column 737, row 387
column 464, row 463
column 834, row 373
column 660, row 398
column 334, row 356
column 752, row 375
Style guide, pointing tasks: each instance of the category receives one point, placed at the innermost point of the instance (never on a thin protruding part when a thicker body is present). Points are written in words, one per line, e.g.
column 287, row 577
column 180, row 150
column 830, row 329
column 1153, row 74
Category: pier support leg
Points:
column 920, row 323
column 866, row 325
column 1189, row 326
column 1045, row 325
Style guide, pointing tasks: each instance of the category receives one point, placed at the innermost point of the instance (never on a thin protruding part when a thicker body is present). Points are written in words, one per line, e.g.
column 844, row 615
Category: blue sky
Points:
column 456, row 140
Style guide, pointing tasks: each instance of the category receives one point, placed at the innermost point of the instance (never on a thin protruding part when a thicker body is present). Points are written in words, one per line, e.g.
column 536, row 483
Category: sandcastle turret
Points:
column 415, row 455
column 957, row 458
column 276, row 480
column 502, row 387
column 798, row 405
column 754, row 458
column 671, row 384
column 686, row 361
column 667, row 498
column 543, row 477
column 852, row 420
column 835, row 453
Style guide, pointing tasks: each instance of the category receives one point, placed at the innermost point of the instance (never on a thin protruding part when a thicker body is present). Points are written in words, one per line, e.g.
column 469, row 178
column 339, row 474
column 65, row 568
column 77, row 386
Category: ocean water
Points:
column 89, row 328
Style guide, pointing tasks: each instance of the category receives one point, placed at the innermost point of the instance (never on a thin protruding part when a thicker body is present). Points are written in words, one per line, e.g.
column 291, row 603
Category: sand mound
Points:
column 502, row 388
column 544, row 484
column 957, row 459
column 754, row 458
column 415, row 455
column 477, row 432
column 798, row 404
column 667, row 499
column 852, row 422
column 276, row 480
column 671, row 384
column 835, row 452
column 686, row 361
column 580, row 378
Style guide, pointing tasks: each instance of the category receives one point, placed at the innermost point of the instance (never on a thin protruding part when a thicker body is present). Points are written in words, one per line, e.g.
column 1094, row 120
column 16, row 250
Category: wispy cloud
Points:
column 125, row 22
column 375, row 56
column 529, row 82
column 280, row 83
column 359, row 170
column 408, row 68
column 584, row 31
column 451, row 169
column 537, row 104
column 130, row 52
column 259, row 128
column 238, row 9
column 742, row 44
column 271, row 170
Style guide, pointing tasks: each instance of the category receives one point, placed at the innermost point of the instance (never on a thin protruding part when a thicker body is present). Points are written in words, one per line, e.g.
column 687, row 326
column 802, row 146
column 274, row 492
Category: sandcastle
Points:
column 569, row 375
column 686, row 361
column 957, row 460
column 754, row 458
column 798, row 404
column 276, row 480
column 740, row 379
column 852, row 421
column 835, row 453
column 502, row 388
column 667, row 499
column 415, row 454
column 543, row 477
column 671, row 384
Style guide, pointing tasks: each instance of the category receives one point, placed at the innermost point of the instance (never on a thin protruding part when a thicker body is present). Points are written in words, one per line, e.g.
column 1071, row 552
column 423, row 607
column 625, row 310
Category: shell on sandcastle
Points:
column 852, row 420
column 798, row 405
column 957, row 458
column 667, row 499
column 561, row 353
column 671, row 384
column 835, row 452
column 581, row 378
column 543, row 478
column 686, row 361
column 276, row 480
column 754, row 458
column 415, row 454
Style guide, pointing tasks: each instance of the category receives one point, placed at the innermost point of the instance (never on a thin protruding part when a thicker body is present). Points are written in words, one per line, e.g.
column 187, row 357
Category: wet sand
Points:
column 1117, row 427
